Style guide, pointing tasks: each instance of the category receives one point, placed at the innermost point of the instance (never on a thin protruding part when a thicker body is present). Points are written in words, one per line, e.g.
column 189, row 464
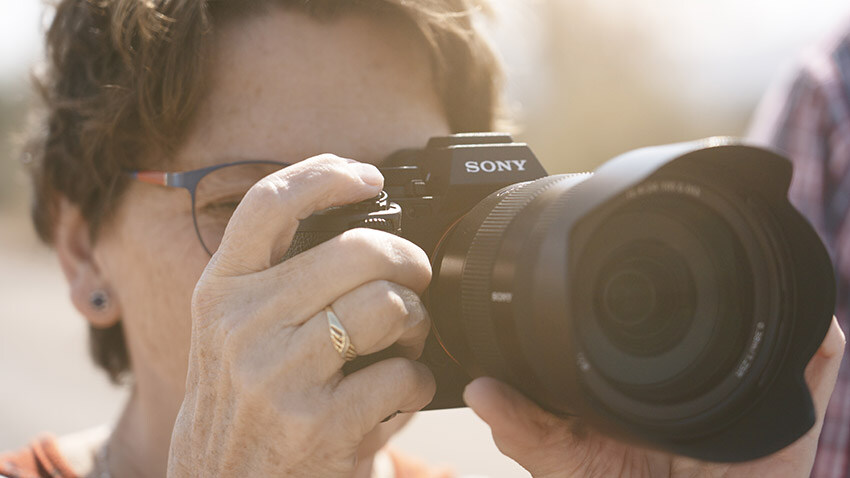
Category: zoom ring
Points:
column 476, row 293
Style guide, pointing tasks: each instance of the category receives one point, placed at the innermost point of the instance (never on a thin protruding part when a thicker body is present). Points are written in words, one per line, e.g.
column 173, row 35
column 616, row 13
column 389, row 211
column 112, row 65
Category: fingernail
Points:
column 416, row 311
column 467, row 394
column 369, row 174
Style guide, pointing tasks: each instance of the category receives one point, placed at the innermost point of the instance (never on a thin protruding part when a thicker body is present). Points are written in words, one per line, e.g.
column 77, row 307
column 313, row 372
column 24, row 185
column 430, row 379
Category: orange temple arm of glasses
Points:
column 151, row 177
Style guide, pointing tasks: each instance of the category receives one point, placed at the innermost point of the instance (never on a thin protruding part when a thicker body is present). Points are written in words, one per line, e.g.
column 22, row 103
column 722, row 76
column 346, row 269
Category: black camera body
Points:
column 435, row 187
column 425, row 192
column 672, row 298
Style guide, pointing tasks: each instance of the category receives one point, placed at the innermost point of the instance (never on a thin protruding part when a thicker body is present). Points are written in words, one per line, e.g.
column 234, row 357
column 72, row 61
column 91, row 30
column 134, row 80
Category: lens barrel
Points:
column 673, row 298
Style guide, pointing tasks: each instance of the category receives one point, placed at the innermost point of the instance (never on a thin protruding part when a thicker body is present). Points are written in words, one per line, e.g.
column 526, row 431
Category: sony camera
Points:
column 672, row 298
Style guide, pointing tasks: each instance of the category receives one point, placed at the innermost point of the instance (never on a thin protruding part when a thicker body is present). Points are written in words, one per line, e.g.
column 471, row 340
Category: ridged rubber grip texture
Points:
column 303, row 240
column 478, row 269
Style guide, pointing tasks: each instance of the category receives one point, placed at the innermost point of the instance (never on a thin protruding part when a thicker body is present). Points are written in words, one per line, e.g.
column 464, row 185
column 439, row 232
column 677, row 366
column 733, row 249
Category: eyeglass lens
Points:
column 217, row 195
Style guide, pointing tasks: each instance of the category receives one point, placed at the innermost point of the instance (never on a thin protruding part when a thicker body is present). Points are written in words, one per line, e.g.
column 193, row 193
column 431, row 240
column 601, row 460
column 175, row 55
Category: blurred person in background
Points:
column 807, row 117
column 254, row 107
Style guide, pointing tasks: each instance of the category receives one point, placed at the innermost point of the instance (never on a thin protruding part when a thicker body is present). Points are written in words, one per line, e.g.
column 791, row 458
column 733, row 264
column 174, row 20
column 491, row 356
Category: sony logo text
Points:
column 495, row 166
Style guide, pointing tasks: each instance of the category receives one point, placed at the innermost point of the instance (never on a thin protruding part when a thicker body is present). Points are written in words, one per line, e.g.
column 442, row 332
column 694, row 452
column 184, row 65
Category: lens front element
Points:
column 644, row 298
column 665, row 313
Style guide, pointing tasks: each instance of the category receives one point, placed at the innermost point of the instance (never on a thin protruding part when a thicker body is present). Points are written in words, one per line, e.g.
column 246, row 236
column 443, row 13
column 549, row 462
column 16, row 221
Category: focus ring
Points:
column 476, row 292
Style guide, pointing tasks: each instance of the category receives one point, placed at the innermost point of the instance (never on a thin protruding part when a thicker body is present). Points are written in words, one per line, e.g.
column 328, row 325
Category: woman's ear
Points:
column 90, row 290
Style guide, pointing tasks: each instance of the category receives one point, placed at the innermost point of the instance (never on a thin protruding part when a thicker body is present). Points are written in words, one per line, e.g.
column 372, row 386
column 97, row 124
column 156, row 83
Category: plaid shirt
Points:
column 808, row 118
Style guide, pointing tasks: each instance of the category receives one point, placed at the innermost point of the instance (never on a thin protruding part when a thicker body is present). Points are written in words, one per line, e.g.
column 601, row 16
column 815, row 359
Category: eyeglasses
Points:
column 215, row 191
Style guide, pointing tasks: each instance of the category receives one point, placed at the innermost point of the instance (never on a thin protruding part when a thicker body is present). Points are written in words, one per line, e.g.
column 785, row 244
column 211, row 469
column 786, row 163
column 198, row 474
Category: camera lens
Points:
column 659, row 293
column 667, row 307
column 629, row 297
column 644, row 298
column 664, row 313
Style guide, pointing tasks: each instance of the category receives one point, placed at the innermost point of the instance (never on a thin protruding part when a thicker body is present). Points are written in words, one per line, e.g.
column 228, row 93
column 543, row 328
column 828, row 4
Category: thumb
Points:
column 822, row 371
column 521, row 429
column 508, row 412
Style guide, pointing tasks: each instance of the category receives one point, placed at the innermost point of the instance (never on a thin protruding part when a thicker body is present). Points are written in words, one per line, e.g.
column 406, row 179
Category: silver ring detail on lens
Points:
column 339, row 336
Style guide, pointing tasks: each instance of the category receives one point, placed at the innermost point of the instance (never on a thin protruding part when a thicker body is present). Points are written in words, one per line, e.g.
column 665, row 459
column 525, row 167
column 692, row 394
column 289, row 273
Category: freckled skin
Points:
column 282, row 87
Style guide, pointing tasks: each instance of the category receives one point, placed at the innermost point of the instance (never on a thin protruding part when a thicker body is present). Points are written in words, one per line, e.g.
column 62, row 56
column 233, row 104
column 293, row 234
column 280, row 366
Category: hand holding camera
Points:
column 552, row 447
column 263, row 369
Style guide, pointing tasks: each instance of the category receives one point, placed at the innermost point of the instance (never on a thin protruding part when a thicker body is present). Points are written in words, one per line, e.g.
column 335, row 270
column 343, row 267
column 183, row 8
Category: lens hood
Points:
column 738, row 392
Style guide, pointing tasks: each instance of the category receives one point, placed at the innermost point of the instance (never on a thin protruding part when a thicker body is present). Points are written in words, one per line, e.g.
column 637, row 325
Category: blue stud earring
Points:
column 99, row 300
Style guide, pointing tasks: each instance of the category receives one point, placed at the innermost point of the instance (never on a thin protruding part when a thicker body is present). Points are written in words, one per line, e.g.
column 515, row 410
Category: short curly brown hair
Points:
column 123, row 79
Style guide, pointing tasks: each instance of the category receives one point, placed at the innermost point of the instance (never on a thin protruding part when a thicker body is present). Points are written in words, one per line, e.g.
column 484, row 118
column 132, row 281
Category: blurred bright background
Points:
column 587, row 79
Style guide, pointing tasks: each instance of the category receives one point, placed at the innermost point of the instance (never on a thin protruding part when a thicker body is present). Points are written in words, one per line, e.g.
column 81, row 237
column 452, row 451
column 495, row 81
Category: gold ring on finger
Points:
column 339, row 336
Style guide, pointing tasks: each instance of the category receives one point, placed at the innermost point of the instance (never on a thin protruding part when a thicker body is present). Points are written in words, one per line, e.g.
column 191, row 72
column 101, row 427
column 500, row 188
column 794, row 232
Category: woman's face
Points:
column 283, row 87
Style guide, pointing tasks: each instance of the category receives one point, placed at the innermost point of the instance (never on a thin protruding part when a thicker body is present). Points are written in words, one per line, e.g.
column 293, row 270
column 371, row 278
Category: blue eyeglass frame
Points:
column 189, row 180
